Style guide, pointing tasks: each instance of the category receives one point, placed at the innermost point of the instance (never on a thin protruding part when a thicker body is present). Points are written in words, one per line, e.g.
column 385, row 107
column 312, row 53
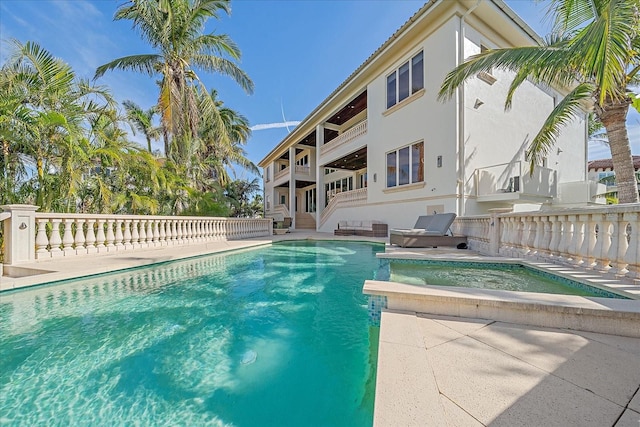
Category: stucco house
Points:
column 382, row 147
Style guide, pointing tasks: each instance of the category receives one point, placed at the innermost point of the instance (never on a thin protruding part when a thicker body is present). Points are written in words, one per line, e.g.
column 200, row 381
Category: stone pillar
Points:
column 494, row 230
column 20, row 234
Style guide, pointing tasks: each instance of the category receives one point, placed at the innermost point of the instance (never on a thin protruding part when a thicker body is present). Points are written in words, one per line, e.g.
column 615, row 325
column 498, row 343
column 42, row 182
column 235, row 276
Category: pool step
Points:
column 591, row 314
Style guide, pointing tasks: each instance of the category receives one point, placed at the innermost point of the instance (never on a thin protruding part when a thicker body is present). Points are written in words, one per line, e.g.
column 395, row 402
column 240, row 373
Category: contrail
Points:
column 275, row 125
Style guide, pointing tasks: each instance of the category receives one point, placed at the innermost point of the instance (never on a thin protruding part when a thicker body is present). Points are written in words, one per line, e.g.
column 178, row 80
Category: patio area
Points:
column 454, row 371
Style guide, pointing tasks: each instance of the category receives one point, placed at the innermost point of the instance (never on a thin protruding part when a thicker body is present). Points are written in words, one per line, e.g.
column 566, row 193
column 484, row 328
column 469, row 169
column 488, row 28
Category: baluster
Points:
column 127, row 234
column 195, row 227
column 119, row 235
column 186, row 231
column 151, row 233
column 207, row 230
column 512, row 235
column 135, row 235
column 538, row 239
column 576, row 240
column 91, row 237
column 633, row 249
column 588, row 241
column 174, row 232
column 603, row 242
column 618, row 246
column 556, row 229
column 79, row 238
column 42, row 241
column 55, row 241
column 181, row 233
column 143, row 233
column 191, row 231
column 100, row 237
column 110, row 236
column 565, row 239
column 162, row 232
column 67, row 237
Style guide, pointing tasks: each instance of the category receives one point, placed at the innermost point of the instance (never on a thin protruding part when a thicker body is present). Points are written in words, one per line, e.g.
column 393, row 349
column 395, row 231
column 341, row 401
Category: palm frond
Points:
column 146, row 64
column 563, row 113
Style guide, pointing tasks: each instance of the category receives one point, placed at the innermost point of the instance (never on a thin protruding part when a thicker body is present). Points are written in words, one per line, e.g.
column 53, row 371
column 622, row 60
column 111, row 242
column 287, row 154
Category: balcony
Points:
column 347, row 136
column 511, row 183
column 281, row 173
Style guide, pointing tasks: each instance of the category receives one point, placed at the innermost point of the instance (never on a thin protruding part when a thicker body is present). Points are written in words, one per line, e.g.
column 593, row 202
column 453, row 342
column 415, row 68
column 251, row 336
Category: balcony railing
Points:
column 512, row 181
column 281, row 173
column 303, row 170
column 344, row 199
column 602, row 239
column 345, row 137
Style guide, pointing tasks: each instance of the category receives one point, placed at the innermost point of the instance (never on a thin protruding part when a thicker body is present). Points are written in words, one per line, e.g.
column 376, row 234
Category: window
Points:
column 406, row 165
column 268, row 174
column 283, row 199
column 303, row 161
column 417, row 71
column 310, row 200
column 268, row 202
column 406, row 80
column 391, row 169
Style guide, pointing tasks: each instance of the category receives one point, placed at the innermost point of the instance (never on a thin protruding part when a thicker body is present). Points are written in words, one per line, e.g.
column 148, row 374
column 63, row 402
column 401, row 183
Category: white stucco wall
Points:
column 494, row 136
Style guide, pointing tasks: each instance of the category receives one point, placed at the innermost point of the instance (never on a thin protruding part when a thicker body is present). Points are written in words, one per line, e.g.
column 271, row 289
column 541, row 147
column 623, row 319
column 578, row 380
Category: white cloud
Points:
column 275, row 125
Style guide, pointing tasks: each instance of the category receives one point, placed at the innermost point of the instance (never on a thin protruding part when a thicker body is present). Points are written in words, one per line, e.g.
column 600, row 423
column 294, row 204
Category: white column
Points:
column 320, row 194
column 292, row 186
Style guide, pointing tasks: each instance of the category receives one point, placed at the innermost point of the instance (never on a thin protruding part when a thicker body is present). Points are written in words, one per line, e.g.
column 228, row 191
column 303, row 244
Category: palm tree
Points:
column 50, row 118
column 142, row 120
column 594, row 48
column 174, row 28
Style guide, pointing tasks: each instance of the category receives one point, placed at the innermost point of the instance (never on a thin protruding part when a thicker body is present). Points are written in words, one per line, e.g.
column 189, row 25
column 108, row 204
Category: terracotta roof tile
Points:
column 608, row 164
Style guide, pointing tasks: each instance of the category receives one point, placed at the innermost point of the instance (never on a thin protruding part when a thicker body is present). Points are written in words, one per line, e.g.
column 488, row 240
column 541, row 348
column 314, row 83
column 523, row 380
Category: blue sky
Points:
column 296, row 51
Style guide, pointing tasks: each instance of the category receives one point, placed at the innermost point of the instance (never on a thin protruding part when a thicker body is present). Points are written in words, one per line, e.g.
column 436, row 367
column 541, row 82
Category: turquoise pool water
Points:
column 503, row 276
column 273, row 336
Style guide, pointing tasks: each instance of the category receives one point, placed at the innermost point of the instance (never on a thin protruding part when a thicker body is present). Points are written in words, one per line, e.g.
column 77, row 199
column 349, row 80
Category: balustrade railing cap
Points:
column 17, row 207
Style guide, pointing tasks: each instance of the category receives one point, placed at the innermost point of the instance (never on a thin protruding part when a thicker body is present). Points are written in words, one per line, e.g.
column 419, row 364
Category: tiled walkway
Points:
column 453, row 371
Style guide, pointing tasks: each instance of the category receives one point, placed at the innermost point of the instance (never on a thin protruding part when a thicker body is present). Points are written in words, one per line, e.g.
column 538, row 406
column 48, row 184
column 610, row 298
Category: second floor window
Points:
column 406, row 80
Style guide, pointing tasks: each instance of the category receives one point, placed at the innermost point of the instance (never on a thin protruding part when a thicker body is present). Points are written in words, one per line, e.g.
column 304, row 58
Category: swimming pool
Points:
column 468, row 274
column 272, row 336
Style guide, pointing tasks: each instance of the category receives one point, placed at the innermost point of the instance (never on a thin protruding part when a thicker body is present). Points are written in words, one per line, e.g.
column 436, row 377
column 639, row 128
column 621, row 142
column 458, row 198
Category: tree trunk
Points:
column 613, row 116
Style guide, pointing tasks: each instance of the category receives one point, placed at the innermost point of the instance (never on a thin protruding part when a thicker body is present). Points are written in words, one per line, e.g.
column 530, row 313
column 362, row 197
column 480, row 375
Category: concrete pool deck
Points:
column 440, row 370
column 454, row 371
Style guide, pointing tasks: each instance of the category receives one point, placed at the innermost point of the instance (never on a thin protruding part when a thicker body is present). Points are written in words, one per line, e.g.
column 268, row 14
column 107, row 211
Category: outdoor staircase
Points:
column 305, row 221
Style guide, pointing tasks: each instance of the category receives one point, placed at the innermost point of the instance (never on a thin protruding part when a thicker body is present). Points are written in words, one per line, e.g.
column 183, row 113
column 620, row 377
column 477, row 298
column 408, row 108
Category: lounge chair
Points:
column 429, row 231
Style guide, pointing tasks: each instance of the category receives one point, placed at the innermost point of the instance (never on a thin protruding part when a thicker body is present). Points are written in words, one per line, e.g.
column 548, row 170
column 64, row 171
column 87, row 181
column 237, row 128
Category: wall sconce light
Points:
column 559, row 151
column 375, row 177
column 477, row 104
column 23, row 226
column 439, row 161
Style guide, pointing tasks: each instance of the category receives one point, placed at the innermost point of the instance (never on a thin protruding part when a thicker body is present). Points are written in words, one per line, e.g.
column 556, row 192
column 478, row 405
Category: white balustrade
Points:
column 81, row 234
column 603, row 239
column 344, row 199
column 345, row 137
